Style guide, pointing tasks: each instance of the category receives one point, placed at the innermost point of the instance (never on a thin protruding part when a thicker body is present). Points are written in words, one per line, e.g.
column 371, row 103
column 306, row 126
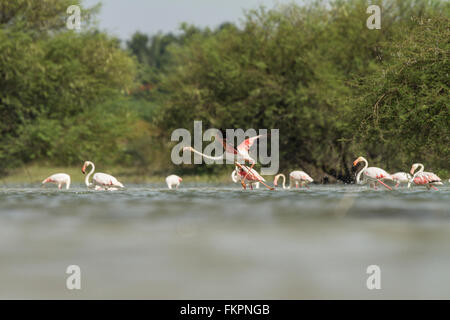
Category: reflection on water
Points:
column 213, row 241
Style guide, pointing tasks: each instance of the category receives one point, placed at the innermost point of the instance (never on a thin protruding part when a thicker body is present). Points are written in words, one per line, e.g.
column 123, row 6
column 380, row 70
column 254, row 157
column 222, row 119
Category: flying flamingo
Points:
column 101, row 181
column 401, row 177
column 372, row 174
column 60, row 179
column 237, row 156
column 428, row 179
column 173, row 181
column 298, row 177
column 235, row 178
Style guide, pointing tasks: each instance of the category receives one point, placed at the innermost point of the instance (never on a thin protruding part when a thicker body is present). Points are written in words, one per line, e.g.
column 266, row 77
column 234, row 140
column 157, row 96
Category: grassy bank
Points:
column 36, row 173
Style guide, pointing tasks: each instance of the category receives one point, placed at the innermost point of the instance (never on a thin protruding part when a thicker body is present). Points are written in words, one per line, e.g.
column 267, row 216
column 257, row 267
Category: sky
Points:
column 123, row 17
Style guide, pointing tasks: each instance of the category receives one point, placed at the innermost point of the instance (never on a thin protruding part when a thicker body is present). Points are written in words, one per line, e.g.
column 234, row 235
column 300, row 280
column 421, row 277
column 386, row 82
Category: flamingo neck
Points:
column 206, row 156
column 86, row 180
column 284, row 180
column 234, row 176
column 358, row 177
column 421, row 168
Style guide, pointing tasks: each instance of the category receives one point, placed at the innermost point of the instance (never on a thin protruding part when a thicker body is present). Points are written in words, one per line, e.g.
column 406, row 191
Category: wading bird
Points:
column 101, row 181
column 239, row 174
column 401, row 177
column 235, row 178
column 173, row 181
column 422, row 178
column 60, row 179
column 237, row 156
column 298, row 177
column 372, row 174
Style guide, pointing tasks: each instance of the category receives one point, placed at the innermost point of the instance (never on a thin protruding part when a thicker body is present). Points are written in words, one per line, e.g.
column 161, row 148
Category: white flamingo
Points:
column 427, row 179
column 401, row 177
column 101, row 181
column 251, row 180
column 173, row 181
column 300, row 178
column 372, row 174
column 60, row 179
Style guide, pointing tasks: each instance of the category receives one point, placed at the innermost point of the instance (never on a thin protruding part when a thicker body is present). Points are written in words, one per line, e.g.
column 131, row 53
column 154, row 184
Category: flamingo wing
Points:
column 245, row 146
column 228, row 148
column 57, row 178
column 300, row 175
column 377, row 173
column 106, row 180
column 431, row 177
column 401, row 177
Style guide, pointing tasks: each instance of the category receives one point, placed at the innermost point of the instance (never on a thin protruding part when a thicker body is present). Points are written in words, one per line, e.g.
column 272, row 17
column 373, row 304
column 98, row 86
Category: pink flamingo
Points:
column 101, row 181
column 237, row 156
column 401, row 177
column 173, row 181
column 427, row 179
column 298, row 177
column 372, row 174
column 60, row 179
column 247, row 176
column 236, row 179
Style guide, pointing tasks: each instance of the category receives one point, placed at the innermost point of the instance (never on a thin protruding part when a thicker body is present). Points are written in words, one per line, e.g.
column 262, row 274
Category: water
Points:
column 216, row 241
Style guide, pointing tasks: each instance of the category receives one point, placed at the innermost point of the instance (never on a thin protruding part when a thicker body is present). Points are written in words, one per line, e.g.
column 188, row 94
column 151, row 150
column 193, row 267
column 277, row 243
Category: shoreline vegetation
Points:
column 335, row 89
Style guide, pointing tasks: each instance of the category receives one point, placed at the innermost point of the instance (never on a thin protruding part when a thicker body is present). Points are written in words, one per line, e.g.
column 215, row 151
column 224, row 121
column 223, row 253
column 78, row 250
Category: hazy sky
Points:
column 123, row 17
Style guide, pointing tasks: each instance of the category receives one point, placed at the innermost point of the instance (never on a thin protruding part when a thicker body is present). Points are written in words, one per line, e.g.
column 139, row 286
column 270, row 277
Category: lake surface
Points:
column 216, row 241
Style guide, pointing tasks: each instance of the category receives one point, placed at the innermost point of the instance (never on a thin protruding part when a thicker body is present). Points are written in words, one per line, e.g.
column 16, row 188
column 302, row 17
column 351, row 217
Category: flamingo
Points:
column 173, row 181
column 60, row 179
column 401, row 177
column 101, row 181
column 428, row 179
column 372, row 174
column 239, row 155
column 235, row 178
column 298, row 177
column 252, row 179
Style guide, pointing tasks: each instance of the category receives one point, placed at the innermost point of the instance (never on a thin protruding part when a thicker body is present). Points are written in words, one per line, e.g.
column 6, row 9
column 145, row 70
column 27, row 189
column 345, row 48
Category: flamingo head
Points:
column 357, row 161
column 275, row 181
column 86, row 163
column 180, row 179
column 413, row 168
column 187, row 148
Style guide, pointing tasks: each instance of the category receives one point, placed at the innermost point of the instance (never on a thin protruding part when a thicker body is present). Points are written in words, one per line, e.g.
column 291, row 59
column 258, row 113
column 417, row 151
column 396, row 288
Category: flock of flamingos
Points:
column 248, row 176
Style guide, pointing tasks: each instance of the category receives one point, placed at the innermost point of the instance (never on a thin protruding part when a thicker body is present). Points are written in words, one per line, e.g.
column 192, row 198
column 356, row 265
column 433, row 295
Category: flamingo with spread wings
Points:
column 238, row 155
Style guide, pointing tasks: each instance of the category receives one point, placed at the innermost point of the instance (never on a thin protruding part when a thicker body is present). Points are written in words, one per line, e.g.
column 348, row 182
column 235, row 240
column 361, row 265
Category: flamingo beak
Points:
column 412, row 171
column 181, row 179
column 355, row 162
column 83, row 169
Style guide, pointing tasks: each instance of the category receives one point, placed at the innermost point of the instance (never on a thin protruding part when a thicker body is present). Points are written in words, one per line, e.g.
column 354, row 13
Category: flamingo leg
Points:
column 248, row 172
column 384, row 184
